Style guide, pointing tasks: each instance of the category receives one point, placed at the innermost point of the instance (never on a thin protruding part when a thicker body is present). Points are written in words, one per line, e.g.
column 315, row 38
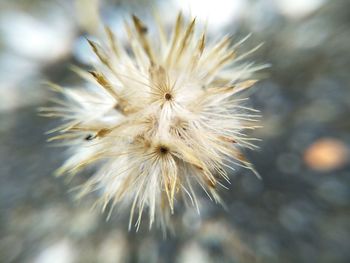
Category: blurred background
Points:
column 299, row 212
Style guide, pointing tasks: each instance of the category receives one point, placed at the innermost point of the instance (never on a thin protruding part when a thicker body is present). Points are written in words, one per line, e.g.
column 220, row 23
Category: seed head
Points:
column 159, row 121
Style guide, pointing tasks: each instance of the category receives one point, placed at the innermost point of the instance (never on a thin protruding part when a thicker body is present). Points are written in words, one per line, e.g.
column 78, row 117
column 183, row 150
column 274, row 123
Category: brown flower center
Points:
column 168, row 96
column 163, row 149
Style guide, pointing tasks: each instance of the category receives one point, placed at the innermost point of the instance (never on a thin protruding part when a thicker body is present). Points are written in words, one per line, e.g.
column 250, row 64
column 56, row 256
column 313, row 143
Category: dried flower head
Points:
column 162, row 117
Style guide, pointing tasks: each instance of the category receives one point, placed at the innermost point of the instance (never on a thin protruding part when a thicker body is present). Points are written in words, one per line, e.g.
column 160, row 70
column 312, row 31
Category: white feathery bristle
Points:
column 160, row 120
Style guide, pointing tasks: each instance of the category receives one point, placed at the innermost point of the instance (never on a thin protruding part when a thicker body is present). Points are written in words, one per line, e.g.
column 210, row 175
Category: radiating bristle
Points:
column 160, row 121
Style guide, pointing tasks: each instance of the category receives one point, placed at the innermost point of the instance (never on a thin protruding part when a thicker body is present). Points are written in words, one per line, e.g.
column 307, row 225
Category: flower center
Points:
column 168, row 96
column 163, row 150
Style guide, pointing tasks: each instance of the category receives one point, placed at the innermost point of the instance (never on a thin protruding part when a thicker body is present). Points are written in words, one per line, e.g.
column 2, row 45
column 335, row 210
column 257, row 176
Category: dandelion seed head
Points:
column 161, row 118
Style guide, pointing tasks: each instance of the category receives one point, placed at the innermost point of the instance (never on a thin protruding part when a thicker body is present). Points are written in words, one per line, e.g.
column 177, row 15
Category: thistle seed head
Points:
column 160, row 120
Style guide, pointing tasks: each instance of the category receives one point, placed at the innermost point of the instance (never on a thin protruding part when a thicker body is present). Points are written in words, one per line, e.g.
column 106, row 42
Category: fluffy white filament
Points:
column 161, row 117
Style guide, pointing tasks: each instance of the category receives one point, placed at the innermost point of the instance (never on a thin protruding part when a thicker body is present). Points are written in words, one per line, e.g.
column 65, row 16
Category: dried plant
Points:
column 160, row 120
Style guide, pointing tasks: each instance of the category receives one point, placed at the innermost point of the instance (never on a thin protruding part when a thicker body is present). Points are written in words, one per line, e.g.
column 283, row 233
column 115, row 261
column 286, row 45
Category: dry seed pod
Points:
column 161, row 121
